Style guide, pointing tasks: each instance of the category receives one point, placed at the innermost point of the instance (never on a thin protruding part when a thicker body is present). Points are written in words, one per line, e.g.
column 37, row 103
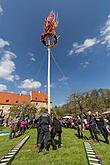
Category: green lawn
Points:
column 6, row 144
column 72, row 152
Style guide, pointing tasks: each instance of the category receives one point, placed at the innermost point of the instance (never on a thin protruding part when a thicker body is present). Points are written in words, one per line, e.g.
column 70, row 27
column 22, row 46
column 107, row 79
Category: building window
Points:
column 16, row 101
column 7, row 100
column 36, row 98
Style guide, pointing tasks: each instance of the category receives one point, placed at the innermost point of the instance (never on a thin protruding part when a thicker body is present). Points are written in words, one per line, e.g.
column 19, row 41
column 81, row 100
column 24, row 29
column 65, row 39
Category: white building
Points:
column 7, row 100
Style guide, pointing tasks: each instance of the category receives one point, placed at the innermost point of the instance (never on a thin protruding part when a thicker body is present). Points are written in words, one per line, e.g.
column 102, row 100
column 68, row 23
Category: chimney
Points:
column 20, row 94
column 31, row 95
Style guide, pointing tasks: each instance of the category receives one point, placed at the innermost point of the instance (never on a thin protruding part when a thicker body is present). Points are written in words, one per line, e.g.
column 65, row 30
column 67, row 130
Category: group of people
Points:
column 18, row 124
column 47, row 128
column 17, row 127
column 96, row 124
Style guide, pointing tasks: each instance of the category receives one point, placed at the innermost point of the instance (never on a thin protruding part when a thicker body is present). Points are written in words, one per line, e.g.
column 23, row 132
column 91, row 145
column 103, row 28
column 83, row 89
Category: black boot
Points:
column 107, row 141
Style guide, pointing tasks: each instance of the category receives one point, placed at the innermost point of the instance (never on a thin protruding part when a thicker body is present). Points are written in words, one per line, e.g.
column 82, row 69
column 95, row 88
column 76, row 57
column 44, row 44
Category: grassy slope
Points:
column 72, row 152
column 6, row 144
column 103, row 150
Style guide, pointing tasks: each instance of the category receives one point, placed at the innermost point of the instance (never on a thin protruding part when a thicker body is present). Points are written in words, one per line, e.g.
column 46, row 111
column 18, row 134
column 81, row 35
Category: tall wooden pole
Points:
column 49, row 77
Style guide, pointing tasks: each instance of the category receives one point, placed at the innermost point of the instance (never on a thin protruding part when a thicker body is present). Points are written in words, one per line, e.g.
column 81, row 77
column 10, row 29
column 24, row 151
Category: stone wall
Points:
column 5, row 108
column 38, row 105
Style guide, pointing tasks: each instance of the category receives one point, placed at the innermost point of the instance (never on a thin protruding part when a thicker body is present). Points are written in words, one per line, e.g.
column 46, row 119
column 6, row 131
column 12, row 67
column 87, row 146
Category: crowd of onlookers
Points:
column 47, row 127
column 18, row 124
column 91, row 121
column 71, row 122
column 96, row 123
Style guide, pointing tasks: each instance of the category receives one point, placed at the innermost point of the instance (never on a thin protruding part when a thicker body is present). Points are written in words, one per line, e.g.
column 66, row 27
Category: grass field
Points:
column 72, row 152
column 6, row 144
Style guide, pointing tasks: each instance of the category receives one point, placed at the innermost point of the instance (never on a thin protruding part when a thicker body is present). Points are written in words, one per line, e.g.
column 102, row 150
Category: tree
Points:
column 80, row 102
column 25, row 109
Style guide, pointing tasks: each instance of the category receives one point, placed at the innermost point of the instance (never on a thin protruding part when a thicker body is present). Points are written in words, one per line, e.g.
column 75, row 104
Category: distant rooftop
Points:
column 14, row 98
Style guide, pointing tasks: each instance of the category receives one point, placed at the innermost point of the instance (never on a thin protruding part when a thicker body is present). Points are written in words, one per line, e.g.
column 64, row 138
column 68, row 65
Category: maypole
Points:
column 49, row 77
column 50, row 24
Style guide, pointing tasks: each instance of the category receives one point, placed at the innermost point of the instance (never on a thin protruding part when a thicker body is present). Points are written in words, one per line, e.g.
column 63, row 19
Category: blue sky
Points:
column 82, row 53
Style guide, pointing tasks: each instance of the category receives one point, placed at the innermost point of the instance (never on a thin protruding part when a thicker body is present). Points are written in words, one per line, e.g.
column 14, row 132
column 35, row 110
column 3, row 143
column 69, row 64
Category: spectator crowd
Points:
column 48, row 126
column 96, row 123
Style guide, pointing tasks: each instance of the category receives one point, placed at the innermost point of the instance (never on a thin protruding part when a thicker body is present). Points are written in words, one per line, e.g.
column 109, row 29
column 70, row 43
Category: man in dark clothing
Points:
column 78, row 124
column 101, row 126
column 44, row 123
column 56, row 129
column 92, row 122
column 38, row 129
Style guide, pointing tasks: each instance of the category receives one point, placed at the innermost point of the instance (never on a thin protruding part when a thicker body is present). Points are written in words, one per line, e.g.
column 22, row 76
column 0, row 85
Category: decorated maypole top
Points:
column 50, row 24
column 49, row 38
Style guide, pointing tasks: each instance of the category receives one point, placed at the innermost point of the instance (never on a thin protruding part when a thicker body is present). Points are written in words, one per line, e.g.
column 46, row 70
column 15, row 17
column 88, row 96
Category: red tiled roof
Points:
column 38, row 96
column 13, row 98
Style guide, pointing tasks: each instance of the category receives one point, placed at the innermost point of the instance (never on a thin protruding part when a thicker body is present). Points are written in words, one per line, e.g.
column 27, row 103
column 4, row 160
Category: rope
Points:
column 57, row 65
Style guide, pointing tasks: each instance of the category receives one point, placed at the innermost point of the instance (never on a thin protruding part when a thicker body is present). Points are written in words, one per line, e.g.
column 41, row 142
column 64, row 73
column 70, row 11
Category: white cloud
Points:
column 7, row 66
column 24, row 92
column 45, row 86
column 1, row 10
column 17, row 77
column 85, row 64
column 80, row 48
column 3, row 43
column 3, row 87
column 52, row 85
column 61, row 104
column 103, row 38
column 71, row 52
column 64, row 78
column 32, row 59
column 8, row 55
column 105, row 33
column 30, row 84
